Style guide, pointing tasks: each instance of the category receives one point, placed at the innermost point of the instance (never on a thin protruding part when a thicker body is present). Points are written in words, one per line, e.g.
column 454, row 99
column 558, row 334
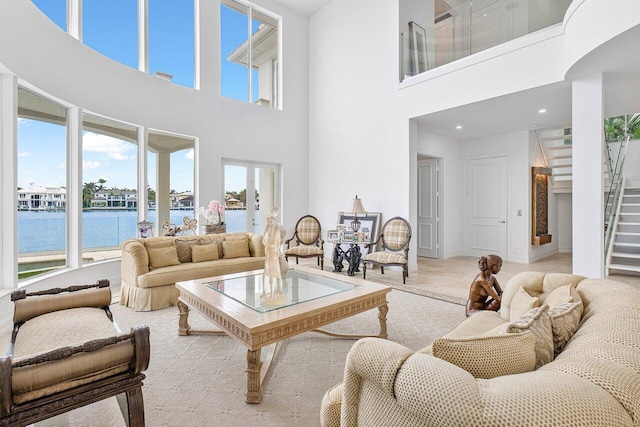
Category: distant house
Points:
column 115, row 198
column 233, row 203
column 37, row 197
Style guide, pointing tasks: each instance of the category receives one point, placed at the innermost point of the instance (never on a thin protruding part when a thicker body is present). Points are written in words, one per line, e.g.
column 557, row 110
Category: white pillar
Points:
column 143, row 36
column 588, row 176
column 143, row 182
column 8, row 181
column 74, row 18
column 74, row 187
column 163, row 200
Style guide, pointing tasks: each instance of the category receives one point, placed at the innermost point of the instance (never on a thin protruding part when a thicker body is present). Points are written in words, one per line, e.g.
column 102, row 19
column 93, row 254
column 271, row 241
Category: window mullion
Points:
column 143, row 36
column 74, row 18
column 74, row 187
column 249, row 51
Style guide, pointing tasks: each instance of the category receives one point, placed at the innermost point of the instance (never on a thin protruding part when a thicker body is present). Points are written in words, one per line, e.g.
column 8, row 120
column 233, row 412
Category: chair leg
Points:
column 364, row 270
column 297, row 260
column 405, row 274
column 286, row 258
column 321, row 262
column 318, row 259
column 136, row 407
column 382, row 269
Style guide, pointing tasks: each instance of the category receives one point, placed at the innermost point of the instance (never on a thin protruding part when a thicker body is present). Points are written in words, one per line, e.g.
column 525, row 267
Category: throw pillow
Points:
column 562, row 295
column 200, row 253
column 154, row 244
column 163, row 257
column 215, row 240
column 565, row 319
column 489, row 356
column 521, row 303
column 184, row 249
column 235, row 248
column 538, row 322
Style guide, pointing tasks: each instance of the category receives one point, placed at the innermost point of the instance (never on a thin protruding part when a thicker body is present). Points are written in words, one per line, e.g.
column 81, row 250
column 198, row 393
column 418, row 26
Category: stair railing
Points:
column 610, row 230
column 613, row 197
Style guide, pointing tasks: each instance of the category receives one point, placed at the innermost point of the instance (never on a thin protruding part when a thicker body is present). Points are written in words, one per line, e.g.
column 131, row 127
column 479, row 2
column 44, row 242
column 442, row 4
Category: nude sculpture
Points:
column 485, row 292
column 275, row 268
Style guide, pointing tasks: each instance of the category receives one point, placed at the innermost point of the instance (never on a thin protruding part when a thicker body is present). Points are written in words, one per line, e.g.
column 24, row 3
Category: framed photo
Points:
column 370, row 222
column 332, row 235
column 348, row 235
column 145, row 229
column 418, row 47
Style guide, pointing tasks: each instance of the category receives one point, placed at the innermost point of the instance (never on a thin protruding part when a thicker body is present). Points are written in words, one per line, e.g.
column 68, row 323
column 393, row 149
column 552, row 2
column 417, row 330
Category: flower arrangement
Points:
column 214, row 213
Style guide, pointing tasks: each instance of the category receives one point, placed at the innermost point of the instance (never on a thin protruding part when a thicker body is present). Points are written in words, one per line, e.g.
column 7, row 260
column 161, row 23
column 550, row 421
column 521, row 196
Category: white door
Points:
column 428, row 208
column 485, row 222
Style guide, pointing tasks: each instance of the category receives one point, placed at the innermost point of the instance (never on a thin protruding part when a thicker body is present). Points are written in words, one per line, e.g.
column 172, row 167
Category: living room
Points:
column 344, row 124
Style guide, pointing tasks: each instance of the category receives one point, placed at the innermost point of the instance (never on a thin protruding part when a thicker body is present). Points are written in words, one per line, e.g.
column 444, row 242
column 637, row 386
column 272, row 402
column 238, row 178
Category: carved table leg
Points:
column 254, row 365
column 382, row 317
column 183, row 319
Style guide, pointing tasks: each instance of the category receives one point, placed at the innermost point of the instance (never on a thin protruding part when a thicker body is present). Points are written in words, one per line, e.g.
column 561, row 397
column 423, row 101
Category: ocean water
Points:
column 45, row 231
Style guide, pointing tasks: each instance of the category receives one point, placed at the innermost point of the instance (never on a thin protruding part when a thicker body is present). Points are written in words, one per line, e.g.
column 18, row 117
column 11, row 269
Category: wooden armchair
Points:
column 66, row 352
column 308, row 241
column 395, row 237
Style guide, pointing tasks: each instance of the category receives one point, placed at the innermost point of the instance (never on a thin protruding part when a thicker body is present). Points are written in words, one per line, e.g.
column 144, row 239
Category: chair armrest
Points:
column 286, row 242
column 6, row 400
column 373, row 244
column 142, row 347
column 135, row 262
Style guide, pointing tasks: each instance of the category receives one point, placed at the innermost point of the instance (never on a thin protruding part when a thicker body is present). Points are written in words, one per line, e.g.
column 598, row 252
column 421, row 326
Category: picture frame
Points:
column 145, row 229
column 333, row 235
column 348, row 235
column 371, row 221
column 418, row 48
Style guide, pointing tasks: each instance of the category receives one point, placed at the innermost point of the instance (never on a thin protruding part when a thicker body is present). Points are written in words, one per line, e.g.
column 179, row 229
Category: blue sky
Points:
column 110, row 27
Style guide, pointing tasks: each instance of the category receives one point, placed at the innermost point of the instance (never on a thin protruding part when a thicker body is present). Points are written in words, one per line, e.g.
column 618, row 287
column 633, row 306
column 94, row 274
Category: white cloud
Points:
column 86, row 164
column 114, row 148
column 189, row 155
column 62, row 165
column 23, row 122
column 24, row 154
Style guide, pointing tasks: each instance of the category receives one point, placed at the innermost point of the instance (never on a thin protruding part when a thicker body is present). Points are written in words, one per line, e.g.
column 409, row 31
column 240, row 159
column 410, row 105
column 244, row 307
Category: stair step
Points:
column 555, row 138
column 623, row 255
column 623, row 267
column 627, row 245
column 558, row 147
column 625, row 233
column 630, row 204
column 560, row 156
column 621, row 222
column 562, row 174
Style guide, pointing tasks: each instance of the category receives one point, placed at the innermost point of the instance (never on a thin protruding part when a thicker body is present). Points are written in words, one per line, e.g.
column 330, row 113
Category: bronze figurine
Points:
column 485, row 292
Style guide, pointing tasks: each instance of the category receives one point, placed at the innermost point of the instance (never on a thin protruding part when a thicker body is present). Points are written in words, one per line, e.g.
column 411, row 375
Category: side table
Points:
column 353, row 255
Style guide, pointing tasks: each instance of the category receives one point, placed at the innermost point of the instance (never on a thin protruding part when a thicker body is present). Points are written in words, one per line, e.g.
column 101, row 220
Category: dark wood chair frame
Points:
column 317, row 241
column 129, row 382
column 405, row 248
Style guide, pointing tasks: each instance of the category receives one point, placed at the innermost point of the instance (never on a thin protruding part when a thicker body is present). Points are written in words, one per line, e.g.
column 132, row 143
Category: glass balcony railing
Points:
column 453, row 29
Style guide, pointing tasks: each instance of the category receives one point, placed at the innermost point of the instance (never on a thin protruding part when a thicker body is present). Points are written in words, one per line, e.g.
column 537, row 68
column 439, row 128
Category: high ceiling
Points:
column 305, row 7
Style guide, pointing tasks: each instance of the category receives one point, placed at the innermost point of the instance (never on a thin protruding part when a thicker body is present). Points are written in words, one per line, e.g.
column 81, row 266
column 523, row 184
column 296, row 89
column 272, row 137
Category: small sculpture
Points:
column 485, row 292
column 275, row 267
column 168, row 230
column 353, row 256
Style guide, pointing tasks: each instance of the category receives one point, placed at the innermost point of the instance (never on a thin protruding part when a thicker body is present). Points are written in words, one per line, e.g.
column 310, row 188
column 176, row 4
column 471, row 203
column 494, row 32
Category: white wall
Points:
column 565, row 232
column 452, row 180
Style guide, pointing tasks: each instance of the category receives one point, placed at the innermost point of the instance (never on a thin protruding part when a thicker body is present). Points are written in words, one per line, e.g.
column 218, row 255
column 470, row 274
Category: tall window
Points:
column 171, row 40
column 56, row 10
column 249, row 65
column 111, row 28
column 42, row 184
column 109, row 196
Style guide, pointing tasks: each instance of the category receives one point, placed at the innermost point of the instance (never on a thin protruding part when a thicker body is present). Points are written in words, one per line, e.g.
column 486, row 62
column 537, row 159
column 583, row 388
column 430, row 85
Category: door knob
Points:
column 502, row 222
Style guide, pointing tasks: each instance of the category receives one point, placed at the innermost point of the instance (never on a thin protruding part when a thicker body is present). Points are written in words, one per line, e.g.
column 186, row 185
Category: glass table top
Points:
column 297, row 287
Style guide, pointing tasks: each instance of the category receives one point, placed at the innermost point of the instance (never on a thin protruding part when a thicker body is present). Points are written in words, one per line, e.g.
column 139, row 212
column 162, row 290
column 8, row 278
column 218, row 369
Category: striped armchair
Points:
column 395, row 237
column 308, row 243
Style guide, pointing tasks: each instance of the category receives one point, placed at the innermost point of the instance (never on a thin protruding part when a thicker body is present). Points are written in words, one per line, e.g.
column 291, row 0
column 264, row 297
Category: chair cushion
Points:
column 396, row 234
column 521, row 303
column 200, row 253
column 385, row 257
column 59, row 329
column 304, row 250
column 163, row 257
column 565, row 319
column 308, row 230
column 562, row 295
column 538, row 322
column 235, row 248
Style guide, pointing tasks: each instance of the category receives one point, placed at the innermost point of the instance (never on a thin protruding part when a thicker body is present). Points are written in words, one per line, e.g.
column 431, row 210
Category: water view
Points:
column 45, row 231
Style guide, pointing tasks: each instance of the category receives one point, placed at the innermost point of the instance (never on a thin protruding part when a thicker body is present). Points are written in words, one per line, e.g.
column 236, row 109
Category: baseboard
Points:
column 520, row 260
column 452, row 254
column 565, row 250
column 543, row 256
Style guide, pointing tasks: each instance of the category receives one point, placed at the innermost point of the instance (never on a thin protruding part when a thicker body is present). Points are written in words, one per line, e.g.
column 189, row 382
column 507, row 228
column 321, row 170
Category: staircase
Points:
column 557, row 150
column 624, row 249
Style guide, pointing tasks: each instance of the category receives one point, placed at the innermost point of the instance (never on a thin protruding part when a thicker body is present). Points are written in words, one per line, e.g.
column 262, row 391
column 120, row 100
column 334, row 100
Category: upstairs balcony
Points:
column 436, row 32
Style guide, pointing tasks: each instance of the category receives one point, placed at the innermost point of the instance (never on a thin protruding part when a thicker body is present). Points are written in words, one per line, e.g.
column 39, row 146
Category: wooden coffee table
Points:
column 243, row 309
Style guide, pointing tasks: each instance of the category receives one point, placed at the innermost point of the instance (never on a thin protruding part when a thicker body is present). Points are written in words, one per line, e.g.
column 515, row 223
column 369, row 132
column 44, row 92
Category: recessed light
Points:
column 542, row 110
column 459, row 127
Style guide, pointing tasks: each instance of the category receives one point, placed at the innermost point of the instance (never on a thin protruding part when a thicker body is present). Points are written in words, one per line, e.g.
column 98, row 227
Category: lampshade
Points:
column 356, row 207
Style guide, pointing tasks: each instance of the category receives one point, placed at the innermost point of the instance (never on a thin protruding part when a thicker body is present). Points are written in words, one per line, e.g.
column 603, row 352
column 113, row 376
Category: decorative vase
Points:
column 215, row 229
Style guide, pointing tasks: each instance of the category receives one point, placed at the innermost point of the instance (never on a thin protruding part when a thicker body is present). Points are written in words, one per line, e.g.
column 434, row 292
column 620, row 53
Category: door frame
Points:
column 466, row 207
column 439, row 204
column 251, row 167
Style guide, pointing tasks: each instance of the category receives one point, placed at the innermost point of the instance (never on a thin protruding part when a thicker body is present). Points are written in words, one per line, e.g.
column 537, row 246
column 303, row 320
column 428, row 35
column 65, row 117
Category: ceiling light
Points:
column 542, row 110
column 459, row 127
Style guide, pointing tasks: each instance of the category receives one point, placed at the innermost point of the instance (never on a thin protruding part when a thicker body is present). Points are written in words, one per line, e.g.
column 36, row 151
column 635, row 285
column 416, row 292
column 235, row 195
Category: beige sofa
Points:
column 151, row 267
column 593, row 381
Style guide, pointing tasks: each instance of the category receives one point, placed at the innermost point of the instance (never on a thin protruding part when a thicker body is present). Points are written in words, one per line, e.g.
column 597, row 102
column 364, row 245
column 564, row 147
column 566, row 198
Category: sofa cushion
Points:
column 538, row 322
column 521, row 303
column 235, row 248
column 158, row 243
column 477, row 324
column 489, row 356
column 561, row 295
column 183, row 246
column 163, row 257
column 565, row 319
column 200, row 253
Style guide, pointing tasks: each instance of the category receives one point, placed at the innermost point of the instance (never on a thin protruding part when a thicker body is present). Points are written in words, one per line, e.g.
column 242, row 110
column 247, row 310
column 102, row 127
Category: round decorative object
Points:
column 215, row 229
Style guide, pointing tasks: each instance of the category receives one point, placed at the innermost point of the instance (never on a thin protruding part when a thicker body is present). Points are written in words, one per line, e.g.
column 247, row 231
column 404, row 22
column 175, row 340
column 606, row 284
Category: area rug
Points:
column 200, row 380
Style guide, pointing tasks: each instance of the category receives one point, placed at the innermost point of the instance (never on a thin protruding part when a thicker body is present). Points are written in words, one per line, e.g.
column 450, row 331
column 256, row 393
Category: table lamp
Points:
column 356, row 208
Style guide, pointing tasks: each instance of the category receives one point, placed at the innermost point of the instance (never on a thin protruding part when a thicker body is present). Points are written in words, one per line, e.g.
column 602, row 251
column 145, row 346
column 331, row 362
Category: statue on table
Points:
column 485, row 292
column 353, row 256
column 275, row 266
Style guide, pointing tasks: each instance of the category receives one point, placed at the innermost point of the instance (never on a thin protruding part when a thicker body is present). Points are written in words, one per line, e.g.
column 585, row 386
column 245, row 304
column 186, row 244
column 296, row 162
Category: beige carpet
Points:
column 200, row 380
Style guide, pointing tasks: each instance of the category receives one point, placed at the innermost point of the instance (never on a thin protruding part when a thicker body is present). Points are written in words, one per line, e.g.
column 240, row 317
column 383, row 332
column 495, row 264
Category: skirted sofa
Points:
column 151, row 267
column 562, row 350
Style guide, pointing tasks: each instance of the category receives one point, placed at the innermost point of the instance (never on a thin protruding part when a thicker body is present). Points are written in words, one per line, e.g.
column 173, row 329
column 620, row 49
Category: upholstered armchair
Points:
column 308, row 243
column 395, row 238
column 66, row 352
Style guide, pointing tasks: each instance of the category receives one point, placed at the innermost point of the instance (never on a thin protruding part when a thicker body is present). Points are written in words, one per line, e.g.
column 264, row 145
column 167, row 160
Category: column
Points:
column 163, row 200
column 143, row 36
column 142, row 193
column 74, row 187
column 588, row 176
column 74, row 18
